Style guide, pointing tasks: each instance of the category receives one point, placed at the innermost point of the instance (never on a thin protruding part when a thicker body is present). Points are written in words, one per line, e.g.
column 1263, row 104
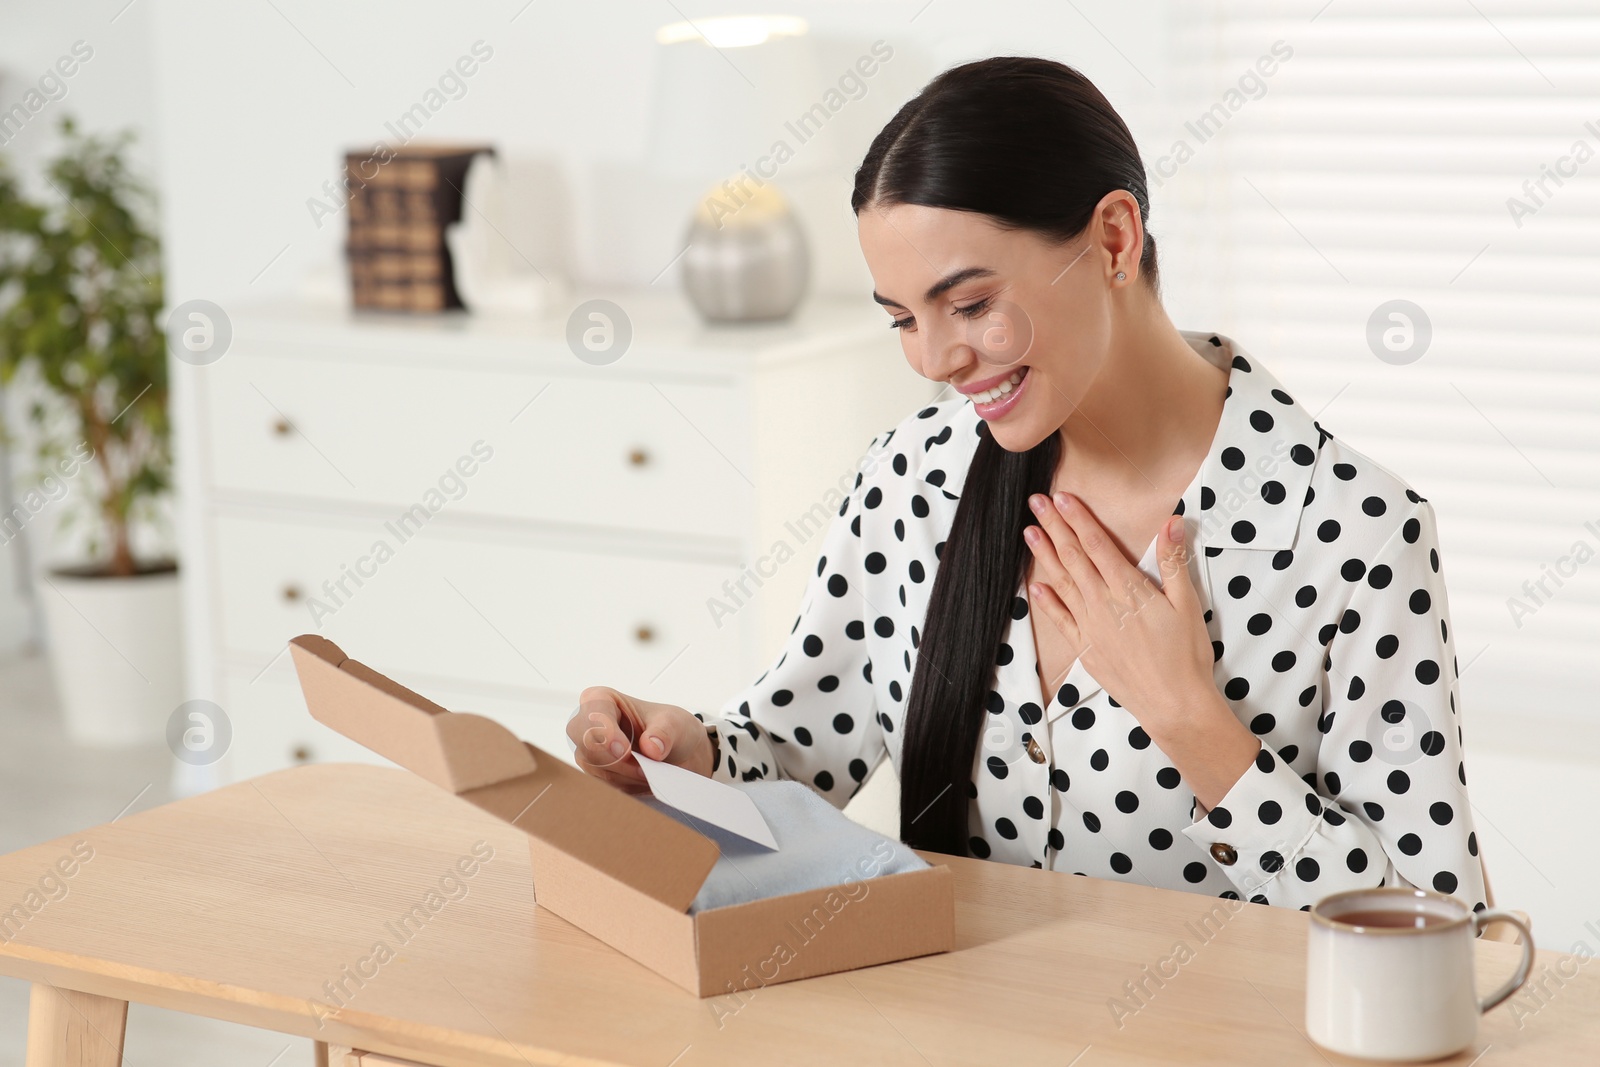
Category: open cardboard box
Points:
column 613, row 866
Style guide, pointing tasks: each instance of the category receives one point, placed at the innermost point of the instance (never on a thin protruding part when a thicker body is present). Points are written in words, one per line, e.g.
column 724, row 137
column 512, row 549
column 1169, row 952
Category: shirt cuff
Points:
column 740, row 755
column 1260, row 827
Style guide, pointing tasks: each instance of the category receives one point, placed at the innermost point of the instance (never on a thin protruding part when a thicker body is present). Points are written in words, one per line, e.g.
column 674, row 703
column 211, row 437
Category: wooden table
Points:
column 266, row 903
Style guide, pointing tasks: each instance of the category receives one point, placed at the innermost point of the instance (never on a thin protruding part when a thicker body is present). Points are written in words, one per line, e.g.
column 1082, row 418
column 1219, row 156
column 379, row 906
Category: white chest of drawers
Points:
column 469, row 507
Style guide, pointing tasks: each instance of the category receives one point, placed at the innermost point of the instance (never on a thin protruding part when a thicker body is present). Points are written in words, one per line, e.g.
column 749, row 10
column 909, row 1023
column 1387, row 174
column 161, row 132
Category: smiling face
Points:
column 1020, row 323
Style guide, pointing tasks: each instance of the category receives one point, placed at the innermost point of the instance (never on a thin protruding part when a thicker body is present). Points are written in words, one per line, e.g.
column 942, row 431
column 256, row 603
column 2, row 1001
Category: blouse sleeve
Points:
column 1392, row 805
column 812, row 715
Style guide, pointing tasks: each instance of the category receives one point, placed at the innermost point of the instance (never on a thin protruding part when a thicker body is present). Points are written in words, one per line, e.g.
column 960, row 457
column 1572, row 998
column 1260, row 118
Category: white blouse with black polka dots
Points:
column 1326, row 607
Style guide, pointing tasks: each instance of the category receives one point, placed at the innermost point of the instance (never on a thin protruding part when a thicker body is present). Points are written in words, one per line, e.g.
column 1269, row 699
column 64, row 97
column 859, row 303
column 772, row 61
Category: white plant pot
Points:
column 115, row 654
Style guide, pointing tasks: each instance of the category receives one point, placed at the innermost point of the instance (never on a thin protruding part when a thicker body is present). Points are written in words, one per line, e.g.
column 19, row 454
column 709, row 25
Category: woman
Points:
column 1013, row 603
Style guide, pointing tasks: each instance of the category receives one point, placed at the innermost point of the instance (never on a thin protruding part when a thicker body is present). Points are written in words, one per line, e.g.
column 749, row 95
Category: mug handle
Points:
column 1480, row 919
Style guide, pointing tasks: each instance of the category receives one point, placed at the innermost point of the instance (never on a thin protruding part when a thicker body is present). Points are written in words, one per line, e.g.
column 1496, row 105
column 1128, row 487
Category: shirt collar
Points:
column 1249, row 490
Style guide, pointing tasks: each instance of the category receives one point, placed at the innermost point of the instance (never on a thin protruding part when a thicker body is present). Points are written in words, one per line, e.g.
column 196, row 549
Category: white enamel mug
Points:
column 1404, row 991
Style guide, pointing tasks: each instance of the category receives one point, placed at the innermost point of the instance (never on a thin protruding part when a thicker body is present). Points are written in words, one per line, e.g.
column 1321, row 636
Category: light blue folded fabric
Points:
column 818, row 846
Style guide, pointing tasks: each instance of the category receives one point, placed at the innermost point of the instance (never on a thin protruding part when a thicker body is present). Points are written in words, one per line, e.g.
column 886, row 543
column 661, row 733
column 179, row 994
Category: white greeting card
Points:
column 711, row 801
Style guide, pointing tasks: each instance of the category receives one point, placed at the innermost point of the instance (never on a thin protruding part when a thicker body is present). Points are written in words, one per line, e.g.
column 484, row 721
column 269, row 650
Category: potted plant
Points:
column 84, row 359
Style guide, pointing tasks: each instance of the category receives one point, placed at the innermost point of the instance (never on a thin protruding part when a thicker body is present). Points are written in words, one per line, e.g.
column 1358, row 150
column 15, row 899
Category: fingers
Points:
column 611, row 729
column 1055, row 573
column 1064, row 543
column 1044, row 551
column 666, row 735
column 1092, row 538
column 1045, row 599
column 1173, row 559
column 603, row 731
column 607, row 747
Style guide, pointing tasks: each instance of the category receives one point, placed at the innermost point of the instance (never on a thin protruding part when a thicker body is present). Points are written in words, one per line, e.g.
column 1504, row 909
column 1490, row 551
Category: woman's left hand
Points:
column 1147, row 645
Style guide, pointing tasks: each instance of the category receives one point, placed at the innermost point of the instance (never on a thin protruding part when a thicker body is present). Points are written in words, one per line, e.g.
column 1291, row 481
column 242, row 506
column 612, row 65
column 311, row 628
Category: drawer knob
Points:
column 638, row 457
column 291, row 592
column 282, row 428
column 301, row 754
column 644, row 634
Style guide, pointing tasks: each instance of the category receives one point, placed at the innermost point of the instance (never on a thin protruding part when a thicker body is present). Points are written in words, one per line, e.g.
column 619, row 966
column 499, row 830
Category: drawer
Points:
column 594, row 451
column 272, row 728
column 497, row 611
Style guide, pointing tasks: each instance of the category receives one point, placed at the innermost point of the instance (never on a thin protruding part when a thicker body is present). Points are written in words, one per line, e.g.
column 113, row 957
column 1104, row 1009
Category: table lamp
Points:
column 738, row 103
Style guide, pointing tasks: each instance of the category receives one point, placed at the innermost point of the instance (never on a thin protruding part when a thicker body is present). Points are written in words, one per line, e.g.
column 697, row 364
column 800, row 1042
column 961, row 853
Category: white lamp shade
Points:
column 717, row 110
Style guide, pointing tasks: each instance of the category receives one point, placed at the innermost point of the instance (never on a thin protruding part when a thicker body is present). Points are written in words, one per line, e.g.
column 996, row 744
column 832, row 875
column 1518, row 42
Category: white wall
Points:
column 107, row 47
column 113, row 89
column 259, row 112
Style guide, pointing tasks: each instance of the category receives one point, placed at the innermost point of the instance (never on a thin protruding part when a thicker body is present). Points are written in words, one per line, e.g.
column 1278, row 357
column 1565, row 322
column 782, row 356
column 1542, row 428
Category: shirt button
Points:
column 1224, row 854
column 1035, row 753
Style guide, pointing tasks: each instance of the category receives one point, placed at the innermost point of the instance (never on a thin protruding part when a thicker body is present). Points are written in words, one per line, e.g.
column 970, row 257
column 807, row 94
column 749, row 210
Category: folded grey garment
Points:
column 818, row 846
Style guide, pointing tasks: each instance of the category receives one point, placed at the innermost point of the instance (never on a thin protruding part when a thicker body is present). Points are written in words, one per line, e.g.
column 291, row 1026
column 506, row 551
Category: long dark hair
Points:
column 1034, row 145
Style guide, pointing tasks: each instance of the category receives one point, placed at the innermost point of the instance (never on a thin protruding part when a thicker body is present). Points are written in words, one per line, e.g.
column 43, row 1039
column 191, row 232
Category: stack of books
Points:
column 400, row 204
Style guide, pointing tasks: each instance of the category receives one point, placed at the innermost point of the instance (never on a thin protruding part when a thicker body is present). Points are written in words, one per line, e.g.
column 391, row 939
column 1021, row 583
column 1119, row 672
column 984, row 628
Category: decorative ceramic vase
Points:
column 747, row 259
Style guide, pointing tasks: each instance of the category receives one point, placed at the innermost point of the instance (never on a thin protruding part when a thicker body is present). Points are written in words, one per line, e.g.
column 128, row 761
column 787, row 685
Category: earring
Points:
column 1122, row 276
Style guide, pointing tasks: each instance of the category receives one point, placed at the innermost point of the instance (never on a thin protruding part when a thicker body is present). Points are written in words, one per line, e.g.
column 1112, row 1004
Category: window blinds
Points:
column 1396, row 206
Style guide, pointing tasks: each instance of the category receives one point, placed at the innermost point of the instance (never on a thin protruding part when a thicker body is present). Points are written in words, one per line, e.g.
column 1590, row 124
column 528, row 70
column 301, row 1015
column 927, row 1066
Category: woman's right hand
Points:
column 610, row 726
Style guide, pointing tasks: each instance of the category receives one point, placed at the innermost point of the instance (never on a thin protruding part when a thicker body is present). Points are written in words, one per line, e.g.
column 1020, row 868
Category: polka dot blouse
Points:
column 1325, row 603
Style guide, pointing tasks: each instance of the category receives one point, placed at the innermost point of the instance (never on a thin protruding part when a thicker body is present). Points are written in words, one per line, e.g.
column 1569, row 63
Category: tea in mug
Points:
column 1391, row 920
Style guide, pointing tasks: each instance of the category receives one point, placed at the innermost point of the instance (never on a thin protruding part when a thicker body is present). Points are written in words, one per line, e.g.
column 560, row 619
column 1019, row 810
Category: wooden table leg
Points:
column 71, row 1029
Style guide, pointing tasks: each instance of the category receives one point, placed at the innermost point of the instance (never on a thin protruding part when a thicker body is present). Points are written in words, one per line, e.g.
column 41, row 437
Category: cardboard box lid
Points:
column 482, row 762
